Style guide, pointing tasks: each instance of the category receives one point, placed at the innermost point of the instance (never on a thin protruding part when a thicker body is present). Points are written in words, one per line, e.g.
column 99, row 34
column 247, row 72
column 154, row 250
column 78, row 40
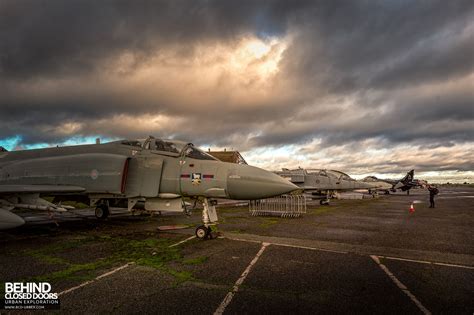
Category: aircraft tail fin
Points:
column 403, row 184
column 408, row 177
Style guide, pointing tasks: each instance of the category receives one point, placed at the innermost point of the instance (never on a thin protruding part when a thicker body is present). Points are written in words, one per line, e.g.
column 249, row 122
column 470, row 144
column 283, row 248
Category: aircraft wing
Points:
column 10, row 220
column 11, row 189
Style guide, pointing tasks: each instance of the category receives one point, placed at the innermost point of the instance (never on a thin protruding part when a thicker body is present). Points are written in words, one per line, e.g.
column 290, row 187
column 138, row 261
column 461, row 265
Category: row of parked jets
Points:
column 326, row 183
column 152, row 174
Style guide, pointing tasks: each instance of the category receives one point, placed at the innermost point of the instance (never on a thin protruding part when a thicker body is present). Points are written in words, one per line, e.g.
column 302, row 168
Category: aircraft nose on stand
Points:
column 245, row 182
column 9, row 220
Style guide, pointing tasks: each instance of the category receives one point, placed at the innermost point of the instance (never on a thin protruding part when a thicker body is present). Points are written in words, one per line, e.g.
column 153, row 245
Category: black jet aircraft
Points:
column 404, row 184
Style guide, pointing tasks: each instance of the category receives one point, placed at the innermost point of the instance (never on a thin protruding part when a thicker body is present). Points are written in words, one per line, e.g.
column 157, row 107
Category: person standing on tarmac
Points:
column 433, row 192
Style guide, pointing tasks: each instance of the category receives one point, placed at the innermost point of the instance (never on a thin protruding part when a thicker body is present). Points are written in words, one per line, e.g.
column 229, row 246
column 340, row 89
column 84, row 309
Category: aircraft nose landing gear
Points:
column 204, row 233
column 209, row 218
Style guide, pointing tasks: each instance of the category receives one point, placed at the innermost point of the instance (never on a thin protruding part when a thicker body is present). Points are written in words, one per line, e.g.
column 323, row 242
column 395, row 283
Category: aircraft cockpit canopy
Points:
column 346, row 177
column 318, row 172
column 342, row 176
column 195, row 153
column 176, row 148
column 162, row 145
column 167, row 146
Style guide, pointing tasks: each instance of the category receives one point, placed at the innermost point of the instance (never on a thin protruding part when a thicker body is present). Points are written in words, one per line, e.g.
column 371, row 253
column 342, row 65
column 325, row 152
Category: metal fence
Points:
column 286, row 206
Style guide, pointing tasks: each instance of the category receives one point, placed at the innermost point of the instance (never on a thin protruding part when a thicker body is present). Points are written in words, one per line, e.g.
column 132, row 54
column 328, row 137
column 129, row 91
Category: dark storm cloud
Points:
column 52, row 40
column 409, row 118
column 41, row 38
column 351, row 44
column 50, row 37
column 352, row 70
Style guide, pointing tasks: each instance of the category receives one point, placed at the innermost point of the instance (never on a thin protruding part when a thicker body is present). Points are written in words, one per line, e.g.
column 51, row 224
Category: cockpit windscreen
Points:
column 176, row 148
column 167, row 146
column 197, row 154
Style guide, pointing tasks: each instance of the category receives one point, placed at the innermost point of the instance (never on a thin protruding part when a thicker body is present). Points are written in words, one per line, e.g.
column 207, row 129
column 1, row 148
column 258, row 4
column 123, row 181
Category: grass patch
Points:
column 267, row 222
column 232, row 209
column 180, row 276
column 238, row 217
column 320, row 210
column 195, row 261
column 151, row 252
column 47, row 253
column 80, row 272
column 48, row 259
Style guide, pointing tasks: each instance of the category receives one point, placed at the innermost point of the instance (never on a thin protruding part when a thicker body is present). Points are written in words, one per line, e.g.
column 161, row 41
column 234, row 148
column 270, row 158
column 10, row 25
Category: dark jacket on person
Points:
column 433, row 191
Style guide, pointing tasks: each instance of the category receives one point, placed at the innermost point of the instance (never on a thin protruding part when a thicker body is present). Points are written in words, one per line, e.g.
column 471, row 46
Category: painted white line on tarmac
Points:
column 95, row 279
column 452, row 265
column 346, row 252
column 228, row 298
column 400, row 285
column 183, row 241
column 310, row 248
column 287, row 245
column 427, row 262
column 241, row 239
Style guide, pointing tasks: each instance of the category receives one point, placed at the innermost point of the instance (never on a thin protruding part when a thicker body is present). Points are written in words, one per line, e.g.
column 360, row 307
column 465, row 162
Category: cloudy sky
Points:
column 366, row 87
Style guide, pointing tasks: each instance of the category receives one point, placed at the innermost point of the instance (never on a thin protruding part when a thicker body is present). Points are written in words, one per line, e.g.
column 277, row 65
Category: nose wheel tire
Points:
column 102, row 212
column 202, row 232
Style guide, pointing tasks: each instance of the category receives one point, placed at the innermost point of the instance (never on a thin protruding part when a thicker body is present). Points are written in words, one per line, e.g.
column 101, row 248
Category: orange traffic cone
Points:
column 412, row 208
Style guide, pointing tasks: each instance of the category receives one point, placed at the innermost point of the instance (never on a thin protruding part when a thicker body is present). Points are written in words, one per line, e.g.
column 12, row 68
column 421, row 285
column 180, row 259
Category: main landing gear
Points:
column 209, row 218
column 324, row 202
column 102, row 211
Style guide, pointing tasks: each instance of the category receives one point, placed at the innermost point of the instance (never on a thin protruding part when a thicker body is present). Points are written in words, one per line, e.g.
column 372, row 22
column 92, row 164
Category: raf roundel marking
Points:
column 94, row 174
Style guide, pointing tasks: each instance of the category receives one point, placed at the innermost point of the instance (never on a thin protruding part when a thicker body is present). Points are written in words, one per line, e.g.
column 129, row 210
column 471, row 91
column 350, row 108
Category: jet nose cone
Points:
column 246, row 182
column 9, row 220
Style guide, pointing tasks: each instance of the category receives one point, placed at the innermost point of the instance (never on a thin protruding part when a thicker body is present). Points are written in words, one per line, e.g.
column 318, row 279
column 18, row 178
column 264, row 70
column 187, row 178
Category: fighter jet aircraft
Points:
column 404, row 184
column 380, row 185
column 323, row 182
column 157, row 173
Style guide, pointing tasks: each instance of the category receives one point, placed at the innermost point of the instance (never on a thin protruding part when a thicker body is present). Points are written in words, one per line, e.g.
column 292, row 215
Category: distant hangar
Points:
column 228, row 156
